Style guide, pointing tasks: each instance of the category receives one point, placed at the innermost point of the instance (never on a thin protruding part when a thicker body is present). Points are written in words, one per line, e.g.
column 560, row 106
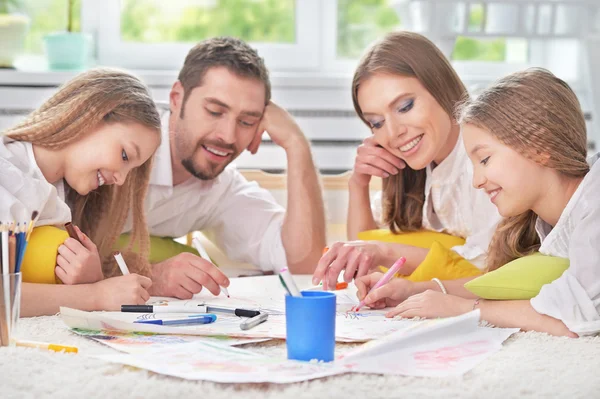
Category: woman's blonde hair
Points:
column 412, row 55
column 539, row 116
column 100, row 96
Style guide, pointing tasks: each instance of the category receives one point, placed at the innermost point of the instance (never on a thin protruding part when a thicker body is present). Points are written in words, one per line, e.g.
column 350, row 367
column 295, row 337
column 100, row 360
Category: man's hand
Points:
column 280, row 126
column 184, row 275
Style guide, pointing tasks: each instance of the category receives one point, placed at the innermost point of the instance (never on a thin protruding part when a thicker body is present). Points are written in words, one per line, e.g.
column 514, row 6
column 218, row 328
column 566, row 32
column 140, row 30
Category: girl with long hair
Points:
column 85, row 156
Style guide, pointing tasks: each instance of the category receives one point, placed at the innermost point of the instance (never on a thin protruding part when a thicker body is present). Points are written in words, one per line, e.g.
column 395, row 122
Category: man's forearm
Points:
column 303, row 231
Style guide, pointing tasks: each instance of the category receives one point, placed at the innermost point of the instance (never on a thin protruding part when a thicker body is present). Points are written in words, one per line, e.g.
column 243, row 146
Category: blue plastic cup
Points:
column 310, row 326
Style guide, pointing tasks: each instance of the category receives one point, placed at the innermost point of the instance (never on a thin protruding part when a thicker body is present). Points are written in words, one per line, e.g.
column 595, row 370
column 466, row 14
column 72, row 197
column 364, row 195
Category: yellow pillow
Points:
column 422, row 239
column 440, row 262
column 444, row 264
column 522, row 278
column 39, row 261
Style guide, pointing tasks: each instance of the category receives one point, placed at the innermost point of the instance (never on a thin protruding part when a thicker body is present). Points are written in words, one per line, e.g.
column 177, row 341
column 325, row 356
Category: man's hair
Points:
column 234, row 54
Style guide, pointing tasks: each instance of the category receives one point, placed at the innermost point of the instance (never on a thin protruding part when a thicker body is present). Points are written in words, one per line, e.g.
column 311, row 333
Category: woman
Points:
column 405, row 90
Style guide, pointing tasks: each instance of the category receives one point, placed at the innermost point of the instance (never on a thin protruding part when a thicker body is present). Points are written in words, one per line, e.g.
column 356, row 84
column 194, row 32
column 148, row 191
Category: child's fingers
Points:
column 385, row 291
column 68, row 251
column 62, row 262
column 85, row 240
column 406, row 309
column 144, row 281
column 61, row 274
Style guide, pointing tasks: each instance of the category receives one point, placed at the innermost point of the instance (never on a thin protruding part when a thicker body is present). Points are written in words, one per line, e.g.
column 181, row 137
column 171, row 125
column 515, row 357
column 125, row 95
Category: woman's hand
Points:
column 388, row 295
column 111, row 293
column 357, row 258
column 78, row 263
column 374, row 160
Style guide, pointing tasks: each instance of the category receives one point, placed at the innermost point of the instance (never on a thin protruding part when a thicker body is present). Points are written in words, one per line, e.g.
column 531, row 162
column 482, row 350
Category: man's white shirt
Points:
column 242, row 218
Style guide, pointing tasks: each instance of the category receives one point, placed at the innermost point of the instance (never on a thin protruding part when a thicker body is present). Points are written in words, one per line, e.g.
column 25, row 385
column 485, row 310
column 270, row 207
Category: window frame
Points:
column 314, row 53
column 110, row 49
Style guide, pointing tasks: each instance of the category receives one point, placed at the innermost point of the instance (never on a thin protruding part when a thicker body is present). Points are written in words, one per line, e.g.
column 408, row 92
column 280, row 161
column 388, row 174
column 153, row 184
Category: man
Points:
column 219, row 107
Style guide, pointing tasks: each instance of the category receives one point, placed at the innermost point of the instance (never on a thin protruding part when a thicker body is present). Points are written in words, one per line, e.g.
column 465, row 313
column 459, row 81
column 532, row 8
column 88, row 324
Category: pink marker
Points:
column 383, row 280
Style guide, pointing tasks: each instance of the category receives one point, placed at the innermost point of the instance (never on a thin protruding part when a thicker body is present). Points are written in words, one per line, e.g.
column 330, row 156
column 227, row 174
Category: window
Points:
column 154, row 34
column 47, row 16
column 262, row 21
column 362, row 21
column 318, row 37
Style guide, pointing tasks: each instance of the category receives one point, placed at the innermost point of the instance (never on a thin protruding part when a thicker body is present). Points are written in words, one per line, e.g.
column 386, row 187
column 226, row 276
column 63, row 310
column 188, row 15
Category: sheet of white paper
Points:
column 436, row 349
column 220, row 363
column 350, row 326
column 136, row 342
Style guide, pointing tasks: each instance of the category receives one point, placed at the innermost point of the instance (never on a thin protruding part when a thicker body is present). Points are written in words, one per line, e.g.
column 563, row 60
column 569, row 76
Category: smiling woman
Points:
column 85, row 152
column 405, row 91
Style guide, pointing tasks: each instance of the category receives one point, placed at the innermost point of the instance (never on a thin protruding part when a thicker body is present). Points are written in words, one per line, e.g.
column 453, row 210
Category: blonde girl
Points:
column 526, row 137
column 85, row 156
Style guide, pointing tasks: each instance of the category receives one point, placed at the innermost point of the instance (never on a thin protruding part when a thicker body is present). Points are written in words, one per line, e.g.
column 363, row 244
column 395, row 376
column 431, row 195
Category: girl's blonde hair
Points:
column 412, row 55
column 539, row 116
column 100, row 96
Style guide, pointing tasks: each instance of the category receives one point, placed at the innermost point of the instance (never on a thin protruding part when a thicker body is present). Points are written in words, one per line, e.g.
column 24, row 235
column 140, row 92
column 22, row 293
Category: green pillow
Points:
column 522, row 278
column 161, row 248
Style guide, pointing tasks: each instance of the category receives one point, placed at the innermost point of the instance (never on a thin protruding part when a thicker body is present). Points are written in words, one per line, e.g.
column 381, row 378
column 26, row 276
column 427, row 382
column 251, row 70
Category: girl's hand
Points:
column 374, row 160
column 431, row 304
column 111, row 293
column 78, row 263
column 357, row 258
column 388, row 295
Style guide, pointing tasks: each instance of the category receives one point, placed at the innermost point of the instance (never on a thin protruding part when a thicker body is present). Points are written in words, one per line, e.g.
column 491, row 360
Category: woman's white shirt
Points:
column 453, row 206
column 24, row 189
column 574, row 298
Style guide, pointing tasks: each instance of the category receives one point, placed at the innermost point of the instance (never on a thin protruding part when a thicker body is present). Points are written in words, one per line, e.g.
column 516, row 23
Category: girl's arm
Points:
column 109, row 294
column 45, row 299
column 453, row 287
column 521, row 314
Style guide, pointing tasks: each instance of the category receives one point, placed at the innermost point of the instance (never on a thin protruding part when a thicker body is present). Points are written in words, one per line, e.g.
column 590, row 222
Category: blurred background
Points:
column 310, row 46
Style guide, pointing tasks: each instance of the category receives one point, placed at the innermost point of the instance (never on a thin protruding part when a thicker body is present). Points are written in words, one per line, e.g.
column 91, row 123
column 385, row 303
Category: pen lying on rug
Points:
column 43, row 345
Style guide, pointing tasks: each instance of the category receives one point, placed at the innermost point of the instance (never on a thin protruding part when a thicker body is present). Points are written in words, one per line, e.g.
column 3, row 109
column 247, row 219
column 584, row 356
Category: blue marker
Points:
column 201, row 319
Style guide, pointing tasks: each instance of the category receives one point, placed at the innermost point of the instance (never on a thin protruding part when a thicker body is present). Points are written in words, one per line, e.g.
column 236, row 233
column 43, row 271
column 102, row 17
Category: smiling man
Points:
column 218, row 108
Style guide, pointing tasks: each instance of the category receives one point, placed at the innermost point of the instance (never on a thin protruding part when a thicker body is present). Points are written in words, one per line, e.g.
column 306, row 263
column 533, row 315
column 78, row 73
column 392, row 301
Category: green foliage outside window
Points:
column 359, row 23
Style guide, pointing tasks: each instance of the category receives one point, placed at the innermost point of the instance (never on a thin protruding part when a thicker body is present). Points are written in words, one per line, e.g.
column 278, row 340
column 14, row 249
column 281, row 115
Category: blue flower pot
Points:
column 67, row 50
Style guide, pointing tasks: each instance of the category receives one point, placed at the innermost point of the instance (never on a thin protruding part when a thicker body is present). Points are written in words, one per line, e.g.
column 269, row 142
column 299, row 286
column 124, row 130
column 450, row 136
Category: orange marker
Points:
column 341, row 286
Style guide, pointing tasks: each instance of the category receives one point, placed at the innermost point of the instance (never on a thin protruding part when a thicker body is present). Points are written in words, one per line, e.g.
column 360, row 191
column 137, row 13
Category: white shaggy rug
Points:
column 530, row 365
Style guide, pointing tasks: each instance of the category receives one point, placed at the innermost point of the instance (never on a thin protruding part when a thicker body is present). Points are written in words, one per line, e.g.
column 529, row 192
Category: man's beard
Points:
column 188, row 164
column 210, row 171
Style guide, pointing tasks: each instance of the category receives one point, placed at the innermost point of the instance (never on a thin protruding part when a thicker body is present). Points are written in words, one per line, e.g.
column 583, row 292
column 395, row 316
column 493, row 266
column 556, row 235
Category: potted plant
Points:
column 68, row 50
column 13, row 29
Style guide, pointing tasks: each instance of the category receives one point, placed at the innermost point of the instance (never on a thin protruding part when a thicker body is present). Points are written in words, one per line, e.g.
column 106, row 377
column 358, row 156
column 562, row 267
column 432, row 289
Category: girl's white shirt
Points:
column 24, row 189
column 453, row 206
column 574, row 298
